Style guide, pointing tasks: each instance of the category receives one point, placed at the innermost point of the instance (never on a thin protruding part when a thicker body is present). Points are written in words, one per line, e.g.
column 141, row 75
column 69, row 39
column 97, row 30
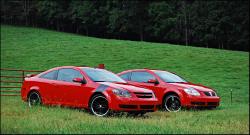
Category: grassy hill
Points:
column 39, row 49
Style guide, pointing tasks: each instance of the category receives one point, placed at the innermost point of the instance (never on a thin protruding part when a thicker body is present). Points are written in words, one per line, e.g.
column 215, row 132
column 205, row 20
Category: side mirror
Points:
column 153, row 81
column 79, row 80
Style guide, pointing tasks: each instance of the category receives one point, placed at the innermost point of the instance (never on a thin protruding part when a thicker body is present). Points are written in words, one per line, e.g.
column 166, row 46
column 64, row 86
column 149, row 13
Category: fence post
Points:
column 23, row 74
column 101, row 66
column 231, row 93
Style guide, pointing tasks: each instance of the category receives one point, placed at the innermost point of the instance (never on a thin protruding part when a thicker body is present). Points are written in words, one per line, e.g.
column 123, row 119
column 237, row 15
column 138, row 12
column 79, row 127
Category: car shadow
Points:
column 194, row 109
column 112, row 114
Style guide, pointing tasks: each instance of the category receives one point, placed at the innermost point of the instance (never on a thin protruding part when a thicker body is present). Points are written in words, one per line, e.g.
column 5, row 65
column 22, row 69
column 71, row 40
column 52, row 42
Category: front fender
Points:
column 178, row 92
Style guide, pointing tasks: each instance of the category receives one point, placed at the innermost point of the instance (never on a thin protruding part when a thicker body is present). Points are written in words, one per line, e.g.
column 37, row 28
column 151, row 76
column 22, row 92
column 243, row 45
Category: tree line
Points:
column 213, row 24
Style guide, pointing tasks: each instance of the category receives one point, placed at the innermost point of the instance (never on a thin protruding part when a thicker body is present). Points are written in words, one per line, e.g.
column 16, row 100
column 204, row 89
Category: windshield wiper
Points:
column 99, row 81
column 119, row 82
column 176, row 82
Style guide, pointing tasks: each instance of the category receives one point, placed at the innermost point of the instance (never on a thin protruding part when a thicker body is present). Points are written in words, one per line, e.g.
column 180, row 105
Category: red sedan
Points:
column 172, row 91
column 95, row 89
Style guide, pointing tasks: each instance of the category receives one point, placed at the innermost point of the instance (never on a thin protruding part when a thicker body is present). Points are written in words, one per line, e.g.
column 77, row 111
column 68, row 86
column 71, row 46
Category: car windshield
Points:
column 101, row 75
column 169, row 77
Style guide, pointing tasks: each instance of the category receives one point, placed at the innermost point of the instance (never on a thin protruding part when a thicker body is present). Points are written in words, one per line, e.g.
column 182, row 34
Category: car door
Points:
column 47, row 87
column 70, row 93
column 140, row 79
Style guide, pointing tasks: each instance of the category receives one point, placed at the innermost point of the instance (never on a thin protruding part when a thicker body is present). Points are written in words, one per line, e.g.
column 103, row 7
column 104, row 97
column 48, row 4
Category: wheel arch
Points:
column 171, row 93
column 35, row 90
column 99, row 93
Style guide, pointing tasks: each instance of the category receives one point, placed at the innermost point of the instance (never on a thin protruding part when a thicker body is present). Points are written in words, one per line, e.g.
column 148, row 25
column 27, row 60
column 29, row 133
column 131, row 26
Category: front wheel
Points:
column 99, row 106
column 172, row 103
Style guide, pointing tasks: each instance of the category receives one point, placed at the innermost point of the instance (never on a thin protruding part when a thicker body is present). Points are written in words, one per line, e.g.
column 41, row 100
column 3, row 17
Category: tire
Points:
column 34, row 99
column 171, row 103
column 99, row 106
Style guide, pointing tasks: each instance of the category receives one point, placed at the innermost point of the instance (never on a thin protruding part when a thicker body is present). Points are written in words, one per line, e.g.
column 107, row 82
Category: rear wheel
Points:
column 99, row 105
column 34, row 99
column 172, row 103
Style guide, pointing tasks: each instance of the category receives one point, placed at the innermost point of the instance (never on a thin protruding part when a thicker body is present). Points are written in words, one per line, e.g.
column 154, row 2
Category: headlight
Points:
column 192, row 91
column 153, row 94
column 215, row 92
column 121, row 93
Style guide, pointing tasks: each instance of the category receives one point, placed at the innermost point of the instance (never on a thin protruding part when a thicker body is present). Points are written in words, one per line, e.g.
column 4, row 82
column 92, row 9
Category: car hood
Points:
column 125, row 86
column 198, row 87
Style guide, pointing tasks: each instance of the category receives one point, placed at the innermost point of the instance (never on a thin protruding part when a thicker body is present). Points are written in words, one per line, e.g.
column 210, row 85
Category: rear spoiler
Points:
column 101, row 66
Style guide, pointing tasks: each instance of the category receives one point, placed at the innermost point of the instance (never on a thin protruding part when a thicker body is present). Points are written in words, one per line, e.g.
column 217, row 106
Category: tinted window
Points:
column 125, row 76
column 141, row 76
column 50, row 75
column 101, row 75
column 169, row 77
column 68, row 75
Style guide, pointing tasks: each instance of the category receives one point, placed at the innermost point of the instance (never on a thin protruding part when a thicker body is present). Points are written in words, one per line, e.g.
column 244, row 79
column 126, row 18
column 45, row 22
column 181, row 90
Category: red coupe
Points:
column 97, row 90
column 172, row 91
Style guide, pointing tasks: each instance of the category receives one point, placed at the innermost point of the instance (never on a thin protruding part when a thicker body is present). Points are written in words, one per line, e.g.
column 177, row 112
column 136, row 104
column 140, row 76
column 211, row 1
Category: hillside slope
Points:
column 39, row 49
column 30, row 48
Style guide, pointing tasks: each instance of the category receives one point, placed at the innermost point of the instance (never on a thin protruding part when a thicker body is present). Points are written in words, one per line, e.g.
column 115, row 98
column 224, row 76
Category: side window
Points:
column 50, row 75
column 68, row 75
column 126, row 76
column 141, row 76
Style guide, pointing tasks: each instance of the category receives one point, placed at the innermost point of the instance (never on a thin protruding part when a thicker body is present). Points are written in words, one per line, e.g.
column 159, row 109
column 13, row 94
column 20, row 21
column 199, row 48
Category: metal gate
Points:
column 12, row 79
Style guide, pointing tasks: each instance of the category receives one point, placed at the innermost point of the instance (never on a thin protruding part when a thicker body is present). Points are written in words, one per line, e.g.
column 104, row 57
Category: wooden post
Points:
column 101, row 66
column 231, row 93
column 23, row 74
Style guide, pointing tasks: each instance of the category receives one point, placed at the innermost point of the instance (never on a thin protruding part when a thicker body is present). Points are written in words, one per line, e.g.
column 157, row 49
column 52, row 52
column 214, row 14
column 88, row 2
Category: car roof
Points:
column 143, row 69
column 56, row 68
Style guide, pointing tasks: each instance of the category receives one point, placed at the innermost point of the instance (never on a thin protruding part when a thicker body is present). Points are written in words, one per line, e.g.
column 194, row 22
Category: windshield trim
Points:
column 157, row 72
column 112, row 76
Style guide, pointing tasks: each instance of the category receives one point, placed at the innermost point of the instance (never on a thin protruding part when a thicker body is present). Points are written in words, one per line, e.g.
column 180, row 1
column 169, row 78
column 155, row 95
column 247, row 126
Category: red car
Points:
column 95, row 89
column 172, row 91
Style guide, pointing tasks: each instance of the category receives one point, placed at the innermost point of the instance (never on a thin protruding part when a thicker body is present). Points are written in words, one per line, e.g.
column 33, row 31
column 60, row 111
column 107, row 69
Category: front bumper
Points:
column 133, row 104
column 201, row 101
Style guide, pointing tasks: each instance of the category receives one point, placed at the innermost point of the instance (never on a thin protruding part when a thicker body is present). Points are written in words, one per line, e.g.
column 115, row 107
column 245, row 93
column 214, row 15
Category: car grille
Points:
column 128, row 106
column 209, row 93
column 143, row 95
column 198, row 103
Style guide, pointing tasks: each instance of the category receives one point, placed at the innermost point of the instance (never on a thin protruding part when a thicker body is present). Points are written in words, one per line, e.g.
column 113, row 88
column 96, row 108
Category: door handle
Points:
column 54, row 84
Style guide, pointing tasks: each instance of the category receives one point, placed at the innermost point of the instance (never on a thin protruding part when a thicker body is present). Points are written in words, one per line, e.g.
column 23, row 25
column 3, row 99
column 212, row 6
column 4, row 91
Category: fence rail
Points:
column 19, row 74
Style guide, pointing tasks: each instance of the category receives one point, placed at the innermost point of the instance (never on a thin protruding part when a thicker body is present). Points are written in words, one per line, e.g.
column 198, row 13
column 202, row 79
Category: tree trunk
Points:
column 141, row 35
column 77, row 29
column 3, row 4
column 185, row 17
column 141, row 32
column 57, row 25
column 25, row 9
column 87, row 31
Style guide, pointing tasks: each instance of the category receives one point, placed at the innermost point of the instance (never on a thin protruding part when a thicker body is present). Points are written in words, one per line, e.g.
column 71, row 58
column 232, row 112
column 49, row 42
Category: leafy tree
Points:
column 217, row 24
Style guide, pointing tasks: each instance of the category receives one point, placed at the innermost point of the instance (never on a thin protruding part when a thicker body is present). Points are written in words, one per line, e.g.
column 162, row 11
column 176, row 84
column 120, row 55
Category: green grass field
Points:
column 39, row 49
